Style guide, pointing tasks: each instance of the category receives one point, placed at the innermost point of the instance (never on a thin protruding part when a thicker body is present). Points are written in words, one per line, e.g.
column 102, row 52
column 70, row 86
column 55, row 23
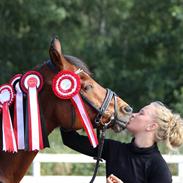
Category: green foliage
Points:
column 178, row 105
column 56, row 145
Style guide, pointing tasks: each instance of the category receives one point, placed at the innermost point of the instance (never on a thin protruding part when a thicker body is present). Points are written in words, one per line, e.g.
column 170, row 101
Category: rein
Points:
column 99, row 153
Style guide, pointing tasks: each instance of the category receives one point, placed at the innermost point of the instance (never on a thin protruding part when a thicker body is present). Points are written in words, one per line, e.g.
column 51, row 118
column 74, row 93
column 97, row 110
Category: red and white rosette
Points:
column 66, row 85
column 18, row 121
column 16, row 78
column 31, row 83
column 6, row 99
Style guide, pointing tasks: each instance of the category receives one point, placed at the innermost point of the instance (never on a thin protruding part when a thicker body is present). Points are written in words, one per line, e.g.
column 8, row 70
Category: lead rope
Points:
column 100, row 148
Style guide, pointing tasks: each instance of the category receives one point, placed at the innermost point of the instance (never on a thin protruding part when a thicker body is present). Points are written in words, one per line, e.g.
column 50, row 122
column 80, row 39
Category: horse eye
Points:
column 88, row 87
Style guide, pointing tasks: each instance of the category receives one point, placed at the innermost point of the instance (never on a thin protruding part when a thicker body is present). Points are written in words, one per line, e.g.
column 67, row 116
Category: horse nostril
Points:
column 128, row 109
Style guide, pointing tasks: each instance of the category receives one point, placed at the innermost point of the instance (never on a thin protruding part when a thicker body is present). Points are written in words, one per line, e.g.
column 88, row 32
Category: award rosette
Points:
column 31, row 83
column 6, row 99
column 18, row 121
column 66, row 85
column 15, row 79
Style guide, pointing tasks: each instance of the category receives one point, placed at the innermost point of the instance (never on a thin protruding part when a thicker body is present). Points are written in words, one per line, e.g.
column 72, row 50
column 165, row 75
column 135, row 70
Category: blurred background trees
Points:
column 133, row 47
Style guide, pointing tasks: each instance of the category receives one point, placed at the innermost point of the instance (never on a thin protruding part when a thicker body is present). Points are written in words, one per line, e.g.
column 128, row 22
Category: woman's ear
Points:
column 152, row 126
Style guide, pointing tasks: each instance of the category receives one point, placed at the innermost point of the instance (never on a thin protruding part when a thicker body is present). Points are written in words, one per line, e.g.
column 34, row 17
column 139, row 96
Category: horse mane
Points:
column 72, row 60
column 78, row 63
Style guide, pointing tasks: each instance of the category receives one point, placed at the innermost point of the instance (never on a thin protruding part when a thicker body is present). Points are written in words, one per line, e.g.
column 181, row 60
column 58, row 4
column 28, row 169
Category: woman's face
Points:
column 141, row 121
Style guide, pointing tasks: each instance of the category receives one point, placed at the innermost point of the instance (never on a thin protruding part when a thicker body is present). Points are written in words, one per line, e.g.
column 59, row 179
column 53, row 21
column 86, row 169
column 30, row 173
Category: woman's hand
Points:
column 113, row 179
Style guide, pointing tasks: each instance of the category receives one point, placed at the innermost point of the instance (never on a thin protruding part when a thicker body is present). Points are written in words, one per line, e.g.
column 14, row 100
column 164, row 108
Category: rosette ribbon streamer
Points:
column 6, row 99
column 66, row 85
column 31, row 84
column 18, row 121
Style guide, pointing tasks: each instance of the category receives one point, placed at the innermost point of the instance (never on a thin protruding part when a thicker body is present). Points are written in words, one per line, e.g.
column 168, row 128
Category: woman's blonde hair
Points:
column 170, row 128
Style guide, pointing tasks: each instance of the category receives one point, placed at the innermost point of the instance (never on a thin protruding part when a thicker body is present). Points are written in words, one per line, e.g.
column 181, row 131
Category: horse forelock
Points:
column 72, row 60
column 78, row 63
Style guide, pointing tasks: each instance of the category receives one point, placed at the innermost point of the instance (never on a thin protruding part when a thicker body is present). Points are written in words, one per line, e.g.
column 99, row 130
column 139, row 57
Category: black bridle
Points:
column 110, row 95
column 101, row 111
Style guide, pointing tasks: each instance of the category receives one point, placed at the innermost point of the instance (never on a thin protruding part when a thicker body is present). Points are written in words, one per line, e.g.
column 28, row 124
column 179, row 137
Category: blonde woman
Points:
column 139, row 161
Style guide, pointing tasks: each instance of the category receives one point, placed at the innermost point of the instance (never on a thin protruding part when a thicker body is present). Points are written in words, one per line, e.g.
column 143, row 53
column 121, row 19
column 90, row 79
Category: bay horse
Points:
column 103, row 106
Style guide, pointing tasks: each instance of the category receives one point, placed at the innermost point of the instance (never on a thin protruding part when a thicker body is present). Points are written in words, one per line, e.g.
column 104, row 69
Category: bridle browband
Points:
column 98, row 119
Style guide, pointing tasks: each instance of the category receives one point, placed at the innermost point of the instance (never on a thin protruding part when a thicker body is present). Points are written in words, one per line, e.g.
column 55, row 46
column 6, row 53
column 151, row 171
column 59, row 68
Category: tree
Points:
column 135, row 44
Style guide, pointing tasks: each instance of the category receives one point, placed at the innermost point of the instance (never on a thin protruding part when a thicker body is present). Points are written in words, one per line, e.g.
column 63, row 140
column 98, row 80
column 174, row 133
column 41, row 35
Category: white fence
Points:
column 79, row 158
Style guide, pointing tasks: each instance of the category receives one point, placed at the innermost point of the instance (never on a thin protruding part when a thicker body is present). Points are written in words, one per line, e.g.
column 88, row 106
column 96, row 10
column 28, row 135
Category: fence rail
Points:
column 80, row 158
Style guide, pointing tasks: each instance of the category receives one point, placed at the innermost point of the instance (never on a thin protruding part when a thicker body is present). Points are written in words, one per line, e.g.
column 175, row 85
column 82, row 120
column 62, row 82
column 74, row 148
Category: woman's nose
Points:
column 134, row 114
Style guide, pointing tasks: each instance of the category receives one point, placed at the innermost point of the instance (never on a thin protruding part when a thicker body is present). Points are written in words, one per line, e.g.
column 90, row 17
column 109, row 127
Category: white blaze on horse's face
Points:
column 78, row 71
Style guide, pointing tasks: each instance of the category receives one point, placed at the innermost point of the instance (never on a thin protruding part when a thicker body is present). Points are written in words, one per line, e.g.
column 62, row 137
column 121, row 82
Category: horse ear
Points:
column 55, row 53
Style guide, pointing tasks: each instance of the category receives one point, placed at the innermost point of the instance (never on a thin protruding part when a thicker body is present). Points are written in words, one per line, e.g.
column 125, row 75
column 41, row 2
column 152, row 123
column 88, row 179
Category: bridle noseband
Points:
column 101, row 111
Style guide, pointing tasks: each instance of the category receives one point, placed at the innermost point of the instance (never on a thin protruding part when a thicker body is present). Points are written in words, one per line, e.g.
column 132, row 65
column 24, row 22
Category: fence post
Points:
column 36, row 168
column 180, row 170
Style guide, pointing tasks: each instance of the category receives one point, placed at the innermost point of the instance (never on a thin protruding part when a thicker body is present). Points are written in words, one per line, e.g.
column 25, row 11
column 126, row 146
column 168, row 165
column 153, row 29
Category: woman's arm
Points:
column 78, row 143
column 82, row 144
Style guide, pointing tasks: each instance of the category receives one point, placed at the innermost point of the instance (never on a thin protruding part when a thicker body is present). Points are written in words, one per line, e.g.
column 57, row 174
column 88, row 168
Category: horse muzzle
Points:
column 118, row 124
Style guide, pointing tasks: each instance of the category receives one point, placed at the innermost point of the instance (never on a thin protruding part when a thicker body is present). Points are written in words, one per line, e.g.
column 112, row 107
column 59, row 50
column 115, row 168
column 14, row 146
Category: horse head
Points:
column 103, row 105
